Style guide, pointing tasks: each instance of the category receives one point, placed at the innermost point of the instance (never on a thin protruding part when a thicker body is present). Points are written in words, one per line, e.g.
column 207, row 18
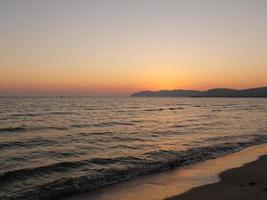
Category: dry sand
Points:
column 244, row 183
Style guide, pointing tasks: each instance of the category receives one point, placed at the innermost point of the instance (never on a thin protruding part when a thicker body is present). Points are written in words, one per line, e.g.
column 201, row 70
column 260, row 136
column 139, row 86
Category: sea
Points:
column 52, row 147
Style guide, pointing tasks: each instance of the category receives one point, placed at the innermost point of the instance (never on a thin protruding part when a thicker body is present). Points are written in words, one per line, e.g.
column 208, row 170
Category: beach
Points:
column 244, row 183
column 130, row 148
column 240, row 175
column 133, row 100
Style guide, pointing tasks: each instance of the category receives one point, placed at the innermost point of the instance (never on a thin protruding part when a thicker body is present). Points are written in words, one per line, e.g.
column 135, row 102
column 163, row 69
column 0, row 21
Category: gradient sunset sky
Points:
column 116, row 47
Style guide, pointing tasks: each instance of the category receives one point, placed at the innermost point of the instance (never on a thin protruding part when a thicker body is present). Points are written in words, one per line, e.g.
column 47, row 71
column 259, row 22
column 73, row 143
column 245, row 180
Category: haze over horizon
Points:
column 103, row 48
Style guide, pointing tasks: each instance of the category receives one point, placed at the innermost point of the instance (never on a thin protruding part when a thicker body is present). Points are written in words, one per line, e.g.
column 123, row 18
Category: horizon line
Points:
column 114, row 96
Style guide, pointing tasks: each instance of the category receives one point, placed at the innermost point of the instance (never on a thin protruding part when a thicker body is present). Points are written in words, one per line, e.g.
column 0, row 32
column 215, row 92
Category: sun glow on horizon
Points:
column 102, row 48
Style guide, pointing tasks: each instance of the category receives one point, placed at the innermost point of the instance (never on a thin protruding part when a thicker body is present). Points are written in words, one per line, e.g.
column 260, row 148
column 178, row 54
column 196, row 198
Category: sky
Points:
column 116, row 47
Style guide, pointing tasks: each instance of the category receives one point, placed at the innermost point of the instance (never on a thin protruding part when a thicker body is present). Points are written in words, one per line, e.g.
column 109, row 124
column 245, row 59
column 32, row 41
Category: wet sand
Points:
column 176, row 182
column 244, row 183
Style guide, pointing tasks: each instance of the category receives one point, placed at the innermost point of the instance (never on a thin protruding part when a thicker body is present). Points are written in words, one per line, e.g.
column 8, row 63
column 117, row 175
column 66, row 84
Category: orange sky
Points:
column 102, row 48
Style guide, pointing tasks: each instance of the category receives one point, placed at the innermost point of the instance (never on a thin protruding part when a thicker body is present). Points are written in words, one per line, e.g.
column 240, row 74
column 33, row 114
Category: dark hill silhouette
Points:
column 217, row 92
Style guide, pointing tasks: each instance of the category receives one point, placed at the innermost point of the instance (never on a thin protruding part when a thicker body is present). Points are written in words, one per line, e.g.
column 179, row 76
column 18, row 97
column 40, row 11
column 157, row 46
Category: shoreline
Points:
column 173, row 183
column 243, row 183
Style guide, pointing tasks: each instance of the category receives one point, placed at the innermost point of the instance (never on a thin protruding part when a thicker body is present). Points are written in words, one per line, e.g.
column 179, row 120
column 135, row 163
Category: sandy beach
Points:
column 236, row 176
column 133, row 100
column 243, row 183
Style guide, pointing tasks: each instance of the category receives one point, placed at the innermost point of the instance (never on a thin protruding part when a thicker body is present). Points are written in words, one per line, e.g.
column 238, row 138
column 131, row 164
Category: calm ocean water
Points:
column 51, row 147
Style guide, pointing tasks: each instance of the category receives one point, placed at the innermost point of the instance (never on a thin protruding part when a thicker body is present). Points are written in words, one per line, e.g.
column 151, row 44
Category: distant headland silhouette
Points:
column 216, row 92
